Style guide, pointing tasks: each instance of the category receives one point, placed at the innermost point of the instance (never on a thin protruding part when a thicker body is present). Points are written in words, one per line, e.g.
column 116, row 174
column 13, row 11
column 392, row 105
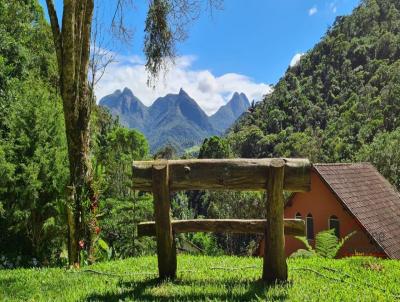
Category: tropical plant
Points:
column 327, row 245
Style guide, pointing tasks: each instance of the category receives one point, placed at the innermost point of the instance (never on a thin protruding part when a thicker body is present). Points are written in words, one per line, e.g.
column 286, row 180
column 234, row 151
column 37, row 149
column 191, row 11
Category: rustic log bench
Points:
column 273, row 175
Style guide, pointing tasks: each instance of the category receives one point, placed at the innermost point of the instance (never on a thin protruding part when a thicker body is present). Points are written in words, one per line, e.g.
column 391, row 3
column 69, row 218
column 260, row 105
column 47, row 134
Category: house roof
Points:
column 370, row 198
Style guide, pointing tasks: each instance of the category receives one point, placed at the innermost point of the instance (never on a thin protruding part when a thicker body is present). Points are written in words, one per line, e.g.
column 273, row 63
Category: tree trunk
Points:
column 80, row 192
column 72, row 46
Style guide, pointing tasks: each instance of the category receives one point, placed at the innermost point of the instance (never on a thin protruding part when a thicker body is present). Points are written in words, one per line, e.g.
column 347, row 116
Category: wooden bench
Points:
column 273, row 175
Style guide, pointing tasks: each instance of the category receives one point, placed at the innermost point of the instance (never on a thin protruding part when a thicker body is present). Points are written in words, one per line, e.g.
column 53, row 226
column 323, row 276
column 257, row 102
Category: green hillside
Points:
column 341, row 102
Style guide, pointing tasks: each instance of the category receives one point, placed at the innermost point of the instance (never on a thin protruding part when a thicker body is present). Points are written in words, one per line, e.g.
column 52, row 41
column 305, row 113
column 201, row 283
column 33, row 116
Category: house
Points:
column 348, row 197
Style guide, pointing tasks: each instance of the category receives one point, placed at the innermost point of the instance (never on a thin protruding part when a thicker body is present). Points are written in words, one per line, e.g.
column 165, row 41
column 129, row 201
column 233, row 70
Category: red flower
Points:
column 81, row 243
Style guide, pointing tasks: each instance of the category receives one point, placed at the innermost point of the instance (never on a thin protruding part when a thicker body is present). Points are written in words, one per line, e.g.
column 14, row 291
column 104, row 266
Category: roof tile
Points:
column 370, row 198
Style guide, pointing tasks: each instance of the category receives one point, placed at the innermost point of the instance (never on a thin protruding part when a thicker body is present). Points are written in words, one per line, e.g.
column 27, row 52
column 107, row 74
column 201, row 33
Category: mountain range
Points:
column 175, row 119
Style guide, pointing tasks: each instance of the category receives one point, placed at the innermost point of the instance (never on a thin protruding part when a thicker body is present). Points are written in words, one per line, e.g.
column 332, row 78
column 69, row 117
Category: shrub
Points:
column 327, row 245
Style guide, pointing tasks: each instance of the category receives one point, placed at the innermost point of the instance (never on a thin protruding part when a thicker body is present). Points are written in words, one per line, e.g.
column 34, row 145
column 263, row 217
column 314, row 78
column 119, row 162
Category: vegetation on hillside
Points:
column 340, row 102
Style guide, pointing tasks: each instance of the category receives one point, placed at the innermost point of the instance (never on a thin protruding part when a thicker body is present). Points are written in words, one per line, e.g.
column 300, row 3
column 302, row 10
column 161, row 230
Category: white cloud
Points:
column 209, row 91
column 312, row 11
column 333, row 6
column 296, row 59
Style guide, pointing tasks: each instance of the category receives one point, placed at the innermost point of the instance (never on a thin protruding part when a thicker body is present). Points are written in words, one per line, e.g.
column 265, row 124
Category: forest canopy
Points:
column 339, row 101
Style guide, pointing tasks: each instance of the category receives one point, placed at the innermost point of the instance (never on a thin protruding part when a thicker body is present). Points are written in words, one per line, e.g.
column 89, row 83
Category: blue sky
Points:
column 246, row 46
column 259, row 38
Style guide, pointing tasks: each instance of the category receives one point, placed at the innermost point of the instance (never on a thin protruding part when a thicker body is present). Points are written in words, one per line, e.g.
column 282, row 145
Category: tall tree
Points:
column 164, row 27
column 72, row 45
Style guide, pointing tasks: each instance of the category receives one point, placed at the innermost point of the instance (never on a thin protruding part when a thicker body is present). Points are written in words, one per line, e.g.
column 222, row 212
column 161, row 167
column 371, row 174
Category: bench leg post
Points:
column 166, row 250
column 275, row 266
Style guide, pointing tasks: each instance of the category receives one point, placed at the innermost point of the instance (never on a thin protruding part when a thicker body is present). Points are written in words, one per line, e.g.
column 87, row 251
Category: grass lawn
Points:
column 204, row 278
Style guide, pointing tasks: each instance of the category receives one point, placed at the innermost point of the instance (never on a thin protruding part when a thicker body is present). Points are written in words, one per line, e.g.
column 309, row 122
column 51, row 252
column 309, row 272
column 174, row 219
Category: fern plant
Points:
column 327, row 245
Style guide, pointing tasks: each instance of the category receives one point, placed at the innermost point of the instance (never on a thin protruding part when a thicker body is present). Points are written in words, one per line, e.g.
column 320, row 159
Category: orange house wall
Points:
column 322, row 204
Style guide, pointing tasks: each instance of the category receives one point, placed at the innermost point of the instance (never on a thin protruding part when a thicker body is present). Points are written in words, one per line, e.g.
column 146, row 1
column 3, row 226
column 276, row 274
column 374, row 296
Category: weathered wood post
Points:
column 166, row 250
column 275, row 266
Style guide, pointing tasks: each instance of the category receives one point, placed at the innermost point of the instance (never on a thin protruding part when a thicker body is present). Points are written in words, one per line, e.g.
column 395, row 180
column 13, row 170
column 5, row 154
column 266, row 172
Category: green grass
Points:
column 200, row 278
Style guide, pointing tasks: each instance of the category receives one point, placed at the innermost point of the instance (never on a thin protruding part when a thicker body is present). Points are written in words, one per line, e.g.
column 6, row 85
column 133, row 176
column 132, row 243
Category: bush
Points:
column 119, row 222
column 207, row 243
column 302, row 253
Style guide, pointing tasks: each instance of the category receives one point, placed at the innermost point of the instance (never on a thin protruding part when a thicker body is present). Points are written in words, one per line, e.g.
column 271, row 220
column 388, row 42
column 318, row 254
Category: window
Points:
column 334, row 224
column 310, row 227
column 298, row 216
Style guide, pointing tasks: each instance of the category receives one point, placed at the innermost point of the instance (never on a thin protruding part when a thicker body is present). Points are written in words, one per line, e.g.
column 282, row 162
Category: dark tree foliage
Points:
column 215, row 147
column 384, row 153
column 342, row 93
column 33, row 160
column 120, row 208
column 24, row 50
column 167, row 152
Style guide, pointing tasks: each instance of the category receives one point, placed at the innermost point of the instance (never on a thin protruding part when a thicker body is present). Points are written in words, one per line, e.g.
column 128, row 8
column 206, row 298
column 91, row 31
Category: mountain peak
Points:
column 228, row 113
column 182, row 92
column 239, row 100
column 127, row 91
column 127, row 106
